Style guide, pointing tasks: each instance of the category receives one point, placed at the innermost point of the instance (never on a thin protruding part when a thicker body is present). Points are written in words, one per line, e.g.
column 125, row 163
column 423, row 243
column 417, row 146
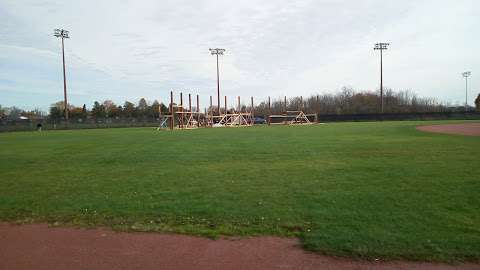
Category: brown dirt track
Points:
column 469, row 129
column 41, row 247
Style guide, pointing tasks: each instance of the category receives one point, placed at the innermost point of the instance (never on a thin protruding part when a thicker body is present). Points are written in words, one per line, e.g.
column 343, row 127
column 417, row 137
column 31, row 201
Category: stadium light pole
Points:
column 63, row 34
column 217, row 52
column 381, row 46
column 466, row 74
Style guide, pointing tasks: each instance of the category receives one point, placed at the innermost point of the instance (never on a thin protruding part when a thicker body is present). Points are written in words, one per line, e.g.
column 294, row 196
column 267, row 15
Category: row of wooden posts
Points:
column 190, row 119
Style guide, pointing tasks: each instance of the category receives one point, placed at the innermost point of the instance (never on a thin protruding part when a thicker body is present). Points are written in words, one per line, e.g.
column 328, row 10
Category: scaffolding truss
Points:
column 180, row 117
column 293, row 118
column 236, row 119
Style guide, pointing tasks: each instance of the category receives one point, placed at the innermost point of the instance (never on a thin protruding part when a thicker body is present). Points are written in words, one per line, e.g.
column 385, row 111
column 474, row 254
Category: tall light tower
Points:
column 466, row 74
column 217, row 52
column 381, row 46
column 63, row 34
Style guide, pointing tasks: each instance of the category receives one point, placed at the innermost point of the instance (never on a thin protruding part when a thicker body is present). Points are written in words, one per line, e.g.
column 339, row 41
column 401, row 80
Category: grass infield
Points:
column 365, row 190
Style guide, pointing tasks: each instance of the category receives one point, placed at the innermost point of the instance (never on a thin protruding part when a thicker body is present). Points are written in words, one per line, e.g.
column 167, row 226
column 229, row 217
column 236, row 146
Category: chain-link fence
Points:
column 401, row 116
column 47, row 124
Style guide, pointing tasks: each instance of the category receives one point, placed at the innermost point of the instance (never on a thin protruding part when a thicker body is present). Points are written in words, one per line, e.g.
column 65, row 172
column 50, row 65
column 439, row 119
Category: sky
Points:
column 125, row 50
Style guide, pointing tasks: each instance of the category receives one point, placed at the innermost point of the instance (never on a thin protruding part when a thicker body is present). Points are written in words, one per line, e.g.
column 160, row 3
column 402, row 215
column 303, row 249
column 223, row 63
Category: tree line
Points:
column 108, row 109
column 347, row 101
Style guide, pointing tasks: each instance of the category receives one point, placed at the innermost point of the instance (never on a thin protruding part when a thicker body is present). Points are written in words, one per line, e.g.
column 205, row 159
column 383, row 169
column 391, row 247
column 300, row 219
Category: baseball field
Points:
column 364, row 190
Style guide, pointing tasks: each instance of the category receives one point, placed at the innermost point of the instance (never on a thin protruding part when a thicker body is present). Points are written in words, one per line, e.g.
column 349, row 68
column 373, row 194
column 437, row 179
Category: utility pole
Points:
column 466, row 74
column 63, row 34
column 217, row 52
column 381, row 46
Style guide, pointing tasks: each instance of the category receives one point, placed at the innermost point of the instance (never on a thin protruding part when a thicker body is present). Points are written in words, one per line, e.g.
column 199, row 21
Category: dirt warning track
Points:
column 470, row 129
column 41, row 247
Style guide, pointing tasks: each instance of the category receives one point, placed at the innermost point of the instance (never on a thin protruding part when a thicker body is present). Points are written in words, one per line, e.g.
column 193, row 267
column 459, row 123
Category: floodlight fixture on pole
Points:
column 63, row 34
column 217, row 52
column 466, row 74
column 381, row 46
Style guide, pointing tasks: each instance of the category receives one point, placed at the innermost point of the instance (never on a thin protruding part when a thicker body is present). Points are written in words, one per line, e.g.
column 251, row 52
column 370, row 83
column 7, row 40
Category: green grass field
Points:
column 366, row 190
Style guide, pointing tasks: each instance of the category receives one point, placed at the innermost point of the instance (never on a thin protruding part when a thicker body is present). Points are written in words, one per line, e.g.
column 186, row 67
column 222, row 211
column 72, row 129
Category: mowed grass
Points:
column 366, row 190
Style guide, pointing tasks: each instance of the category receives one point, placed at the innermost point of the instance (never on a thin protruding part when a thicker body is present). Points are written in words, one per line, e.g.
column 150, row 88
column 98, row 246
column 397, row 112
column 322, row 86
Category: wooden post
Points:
column 211, row 104
column 252, row 111
column 239, row 109
column 198, row 111
column 269, row 111
column 189, row 109
column 181, row 110
column 211, row 111
column 225, row 104
column 171, row 111
column 190, row 102
column 198, row 103
column 160, row 111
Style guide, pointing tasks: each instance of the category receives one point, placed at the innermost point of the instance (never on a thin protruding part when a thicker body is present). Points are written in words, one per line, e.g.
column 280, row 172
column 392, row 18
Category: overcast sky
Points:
column 123, row 50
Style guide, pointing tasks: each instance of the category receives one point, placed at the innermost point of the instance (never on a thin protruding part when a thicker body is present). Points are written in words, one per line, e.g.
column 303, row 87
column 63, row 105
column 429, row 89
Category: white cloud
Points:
column 273, row 47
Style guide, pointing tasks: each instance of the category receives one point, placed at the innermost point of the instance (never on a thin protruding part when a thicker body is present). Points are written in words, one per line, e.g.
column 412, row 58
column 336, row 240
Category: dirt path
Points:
column 40, row 247
column 470, row 129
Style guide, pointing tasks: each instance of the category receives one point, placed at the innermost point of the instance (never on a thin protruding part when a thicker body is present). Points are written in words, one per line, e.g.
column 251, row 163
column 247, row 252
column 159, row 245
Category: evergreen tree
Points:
column 98, row 110
column 128, row 109
column 142, row 108
column 477, row 102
